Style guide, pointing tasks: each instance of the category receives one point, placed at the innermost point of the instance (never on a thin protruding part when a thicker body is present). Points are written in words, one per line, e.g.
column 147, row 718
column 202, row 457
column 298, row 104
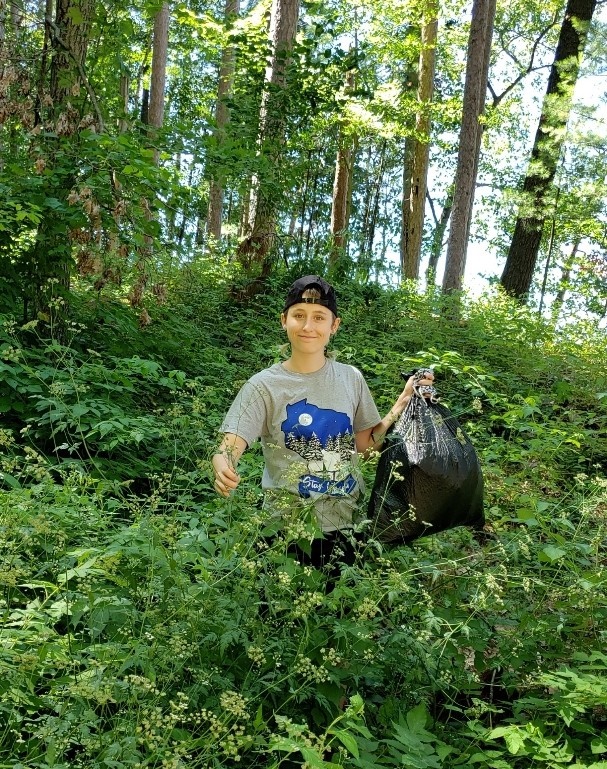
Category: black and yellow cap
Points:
column 298, row 289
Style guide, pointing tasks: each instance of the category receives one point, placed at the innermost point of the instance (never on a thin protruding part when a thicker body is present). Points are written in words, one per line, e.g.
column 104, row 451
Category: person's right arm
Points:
column 225, row 462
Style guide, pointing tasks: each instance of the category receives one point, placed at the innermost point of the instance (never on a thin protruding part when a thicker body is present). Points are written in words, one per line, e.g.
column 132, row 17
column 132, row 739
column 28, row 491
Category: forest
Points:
column 167, row 170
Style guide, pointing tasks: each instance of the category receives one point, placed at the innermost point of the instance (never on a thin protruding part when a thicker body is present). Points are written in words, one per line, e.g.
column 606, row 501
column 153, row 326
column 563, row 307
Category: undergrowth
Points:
column 148, row 623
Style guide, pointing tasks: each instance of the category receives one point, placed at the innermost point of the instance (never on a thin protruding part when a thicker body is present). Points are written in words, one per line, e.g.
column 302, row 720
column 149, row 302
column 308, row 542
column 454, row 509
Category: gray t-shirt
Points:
column 307, row 424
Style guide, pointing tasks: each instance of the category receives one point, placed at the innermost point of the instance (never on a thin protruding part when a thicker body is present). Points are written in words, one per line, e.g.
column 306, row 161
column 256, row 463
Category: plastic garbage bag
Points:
column 428, row 476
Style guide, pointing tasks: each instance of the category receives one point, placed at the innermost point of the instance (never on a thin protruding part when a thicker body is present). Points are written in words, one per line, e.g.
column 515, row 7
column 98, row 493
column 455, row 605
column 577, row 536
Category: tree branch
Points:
column 497, row 98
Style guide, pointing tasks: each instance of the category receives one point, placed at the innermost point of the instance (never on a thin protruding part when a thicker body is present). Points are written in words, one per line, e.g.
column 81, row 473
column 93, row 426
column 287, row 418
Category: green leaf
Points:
column 599, row 744
column 11, row 481
column 513, row 738
column 349, row 742
column 551, row 553
column 417, row 718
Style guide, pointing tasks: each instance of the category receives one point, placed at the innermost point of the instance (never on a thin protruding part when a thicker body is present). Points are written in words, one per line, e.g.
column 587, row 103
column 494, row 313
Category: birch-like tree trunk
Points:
column 418, row 152
column 538, row 191
column 222, row 118
column 475, row 90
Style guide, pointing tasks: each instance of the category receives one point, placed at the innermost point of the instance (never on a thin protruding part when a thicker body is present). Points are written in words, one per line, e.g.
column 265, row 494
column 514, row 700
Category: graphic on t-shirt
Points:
column 325, row 440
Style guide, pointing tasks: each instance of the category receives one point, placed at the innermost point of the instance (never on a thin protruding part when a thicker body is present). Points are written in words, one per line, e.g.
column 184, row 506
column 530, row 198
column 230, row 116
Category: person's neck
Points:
column 305, row 364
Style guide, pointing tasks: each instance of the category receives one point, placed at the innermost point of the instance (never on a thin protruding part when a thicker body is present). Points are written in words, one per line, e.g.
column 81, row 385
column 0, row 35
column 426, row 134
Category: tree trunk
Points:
column 222, row 118
column 563, row 284
column 123, row 124
column 68, row 34
column 414, row 191
column 437, row 239
column 366, row 254
column 342, row 187
column 537, row 200
column 154, row 121
column 16, row 11
column 312, row 210
column 475, row 90
column 304, row 204
column 255, row 248
column 160, row 48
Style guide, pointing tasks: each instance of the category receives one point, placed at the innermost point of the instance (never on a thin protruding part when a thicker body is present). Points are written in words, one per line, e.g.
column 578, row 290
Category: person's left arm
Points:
column 372, row 438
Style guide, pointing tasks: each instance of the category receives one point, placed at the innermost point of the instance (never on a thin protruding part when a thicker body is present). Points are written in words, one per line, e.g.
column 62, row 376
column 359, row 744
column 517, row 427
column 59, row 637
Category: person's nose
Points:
column 308, row 323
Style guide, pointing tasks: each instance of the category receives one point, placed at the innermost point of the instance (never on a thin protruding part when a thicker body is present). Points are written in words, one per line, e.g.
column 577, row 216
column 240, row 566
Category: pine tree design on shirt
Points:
column 324, row 439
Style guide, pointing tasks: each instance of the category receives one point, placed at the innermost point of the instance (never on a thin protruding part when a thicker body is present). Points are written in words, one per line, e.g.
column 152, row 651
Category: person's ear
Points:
column 335, row 325
column 283, row 321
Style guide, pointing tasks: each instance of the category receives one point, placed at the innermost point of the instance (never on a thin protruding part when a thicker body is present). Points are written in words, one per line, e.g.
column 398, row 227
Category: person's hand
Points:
column 226, row 477
column 404, row 398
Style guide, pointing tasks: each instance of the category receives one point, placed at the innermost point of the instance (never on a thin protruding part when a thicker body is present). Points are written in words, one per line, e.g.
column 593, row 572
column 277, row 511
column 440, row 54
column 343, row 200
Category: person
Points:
column 314, row 416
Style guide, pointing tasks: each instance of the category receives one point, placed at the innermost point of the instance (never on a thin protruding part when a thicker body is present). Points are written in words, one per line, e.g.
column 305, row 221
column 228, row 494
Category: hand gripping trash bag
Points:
column 428, row 476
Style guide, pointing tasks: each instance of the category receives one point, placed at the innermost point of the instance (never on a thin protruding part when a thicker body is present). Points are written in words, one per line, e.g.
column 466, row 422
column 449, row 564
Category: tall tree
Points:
column 475, row 90
column 538, row 198
column 418, row 151
column 255, row 247
column 222, row 118
column 155, row 120
column 342, row 189
column 68, row 33
column 160, row 46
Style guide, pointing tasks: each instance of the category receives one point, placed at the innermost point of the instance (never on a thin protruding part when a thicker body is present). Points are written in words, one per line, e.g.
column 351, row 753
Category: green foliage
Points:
column 147, row 622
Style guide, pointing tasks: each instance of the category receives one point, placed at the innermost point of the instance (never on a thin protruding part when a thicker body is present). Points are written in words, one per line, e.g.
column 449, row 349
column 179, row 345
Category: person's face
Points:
column 309, row 326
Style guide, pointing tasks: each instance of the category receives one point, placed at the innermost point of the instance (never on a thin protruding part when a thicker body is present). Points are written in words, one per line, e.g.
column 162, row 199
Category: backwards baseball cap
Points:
column 298, row 289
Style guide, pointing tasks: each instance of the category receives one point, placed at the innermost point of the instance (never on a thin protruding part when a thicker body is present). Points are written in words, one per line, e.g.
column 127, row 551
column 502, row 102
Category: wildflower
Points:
column 234, row 703
column 256, row 654
column 367, row 609
column 304, row 603
column 11, row 353
column 306, row 668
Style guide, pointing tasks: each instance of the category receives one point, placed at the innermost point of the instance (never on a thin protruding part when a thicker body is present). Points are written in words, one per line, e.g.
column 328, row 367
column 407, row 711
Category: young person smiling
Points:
column 314, row 416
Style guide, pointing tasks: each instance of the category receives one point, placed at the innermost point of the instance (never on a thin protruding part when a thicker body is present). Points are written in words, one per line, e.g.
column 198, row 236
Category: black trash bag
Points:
column 428, row 476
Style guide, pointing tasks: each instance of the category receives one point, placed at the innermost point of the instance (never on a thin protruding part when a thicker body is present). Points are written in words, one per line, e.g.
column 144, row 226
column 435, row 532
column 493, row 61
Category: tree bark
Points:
column 70, row 36
column 342, row 189
column 537, row 200
column 222, row 119
column 255, row 248
column 414, row 190
column 160, row 48
column 438, row 235
column 51, row 253
column 475, row 90
column 366, row 253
